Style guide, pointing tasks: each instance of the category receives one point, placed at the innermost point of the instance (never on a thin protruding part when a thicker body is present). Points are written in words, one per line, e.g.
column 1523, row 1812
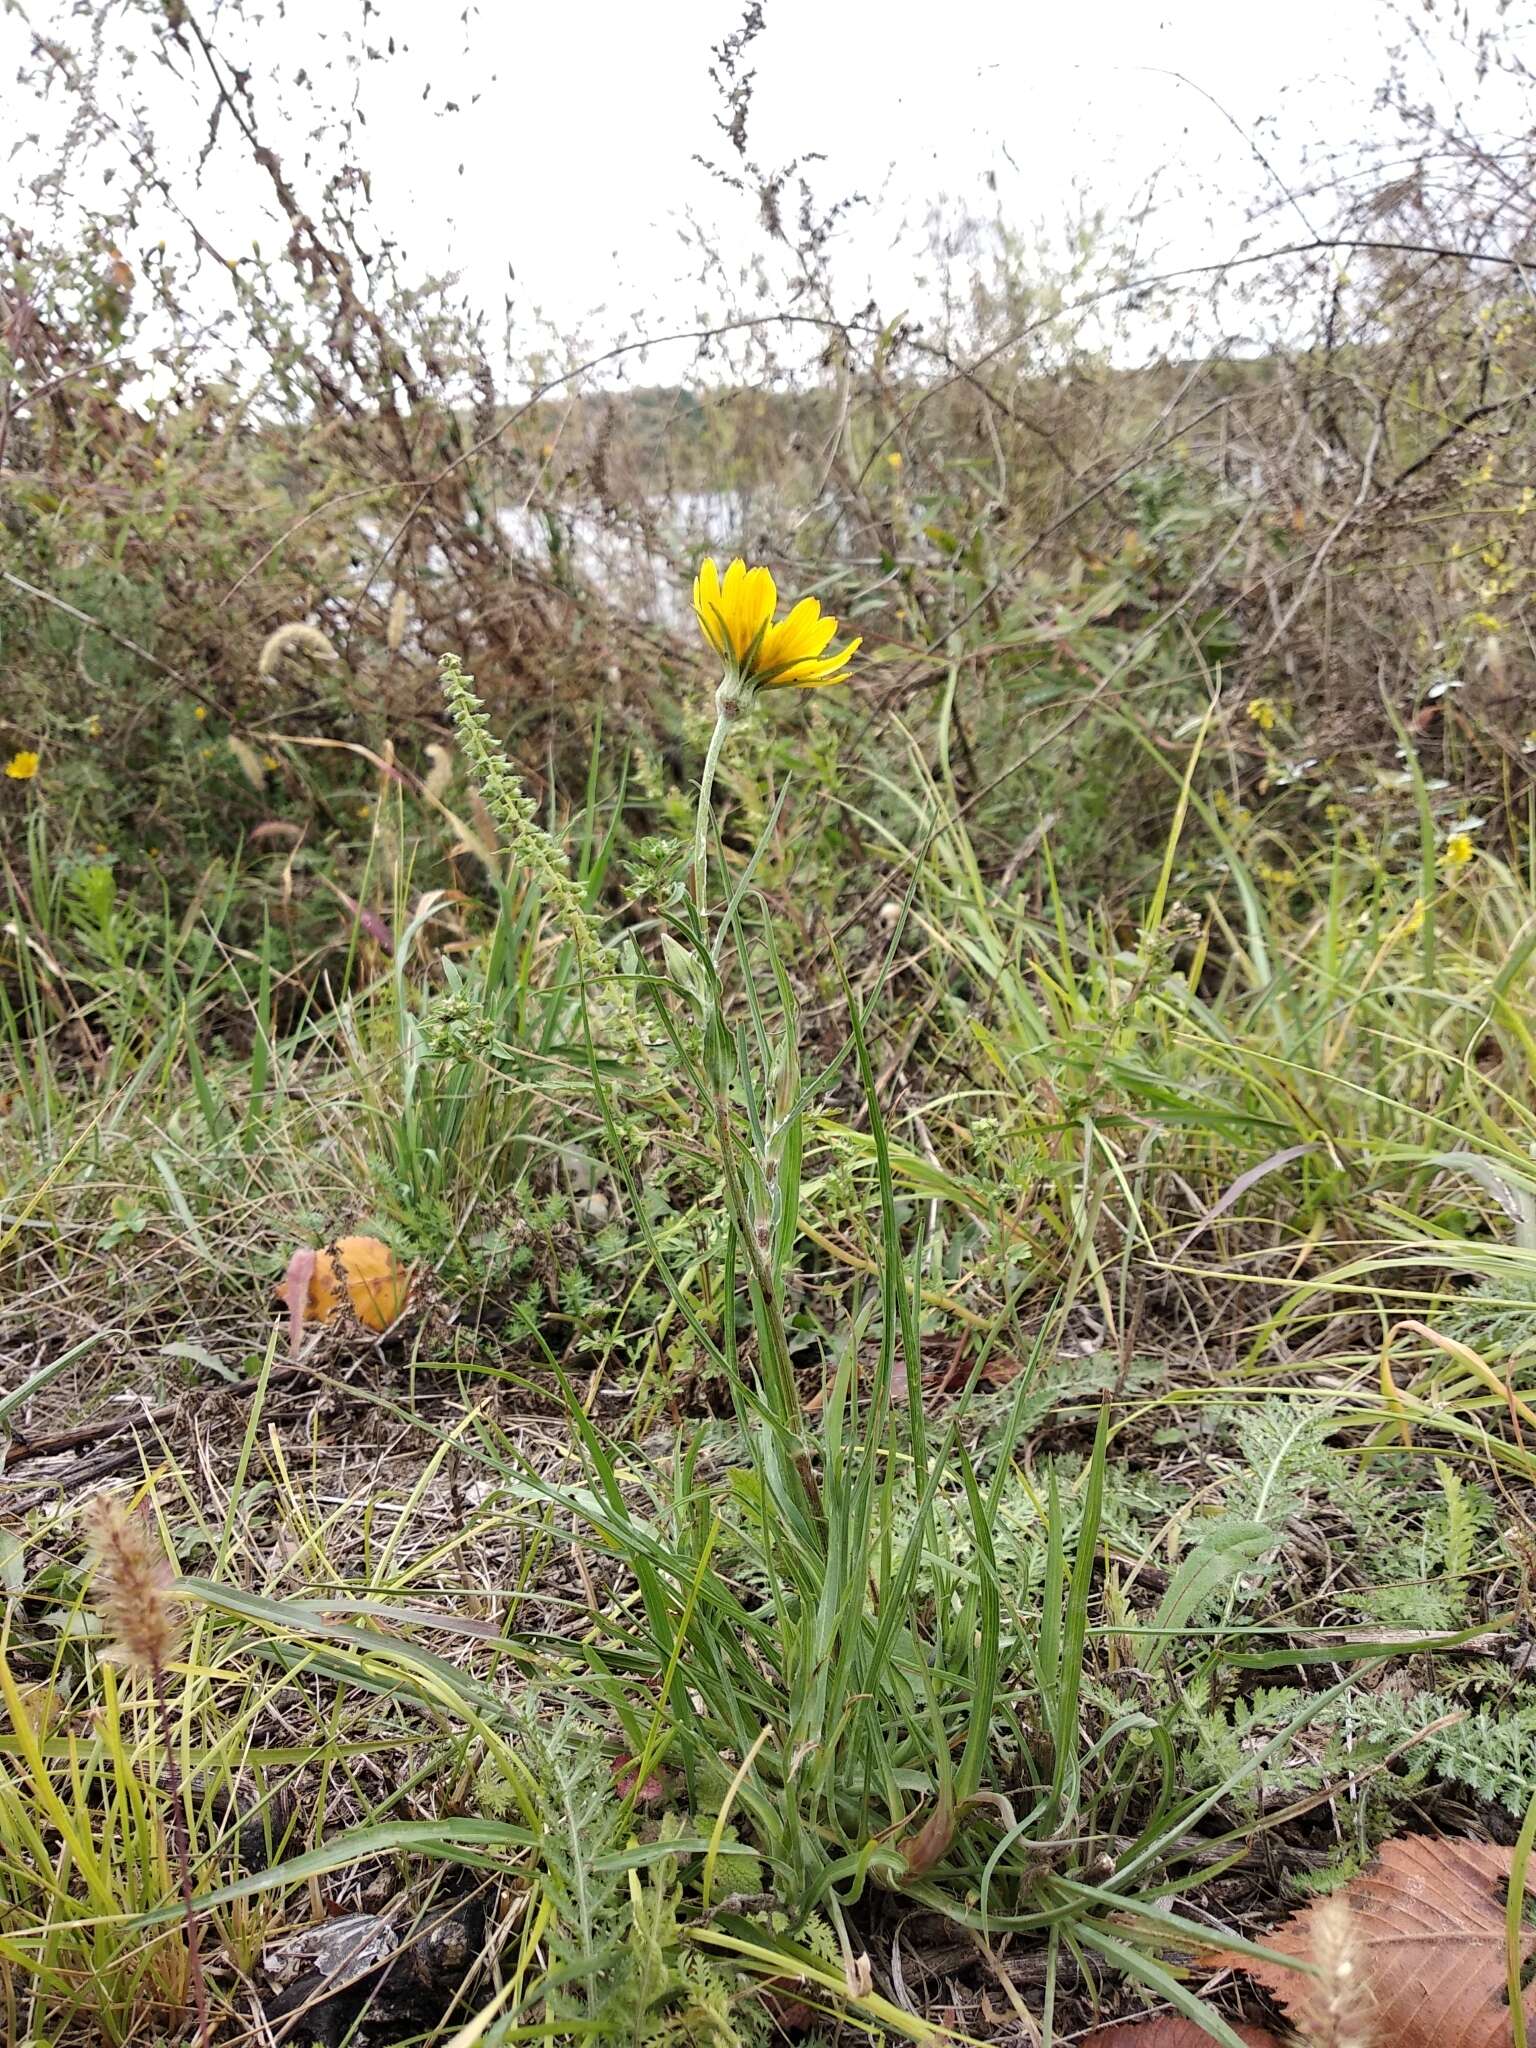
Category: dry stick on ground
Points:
column 94, row 1432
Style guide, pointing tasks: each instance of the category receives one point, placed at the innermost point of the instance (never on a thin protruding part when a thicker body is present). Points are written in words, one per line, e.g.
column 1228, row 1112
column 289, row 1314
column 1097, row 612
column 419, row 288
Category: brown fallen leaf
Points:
column 1169, row 2031
column 1428, row 1946
column 361, row 1272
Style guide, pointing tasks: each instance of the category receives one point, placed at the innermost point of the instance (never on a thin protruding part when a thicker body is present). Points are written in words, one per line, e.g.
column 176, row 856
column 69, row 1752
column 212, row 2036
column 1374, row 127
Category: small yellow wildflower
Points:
column 1413, row 923
column 735, row 614
column 894, row 458
column 199, row 711
column 23, row 766
column 1262, row 711
column 271, row 763
column 1459, row 851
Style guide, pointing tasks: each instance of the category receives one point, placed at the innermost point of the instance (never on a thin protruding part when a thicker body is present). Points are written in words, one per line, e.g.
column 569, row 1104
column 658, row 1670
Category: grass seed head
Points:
column 132, row 1586
column 291, row 639
column 1338, row 2013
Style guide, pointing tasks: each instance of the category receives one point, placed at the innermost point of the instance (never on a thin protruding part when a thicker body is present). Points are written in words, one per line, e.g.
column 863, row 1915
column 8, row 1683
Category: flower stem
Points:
column 177, row 1825
column 727, row 709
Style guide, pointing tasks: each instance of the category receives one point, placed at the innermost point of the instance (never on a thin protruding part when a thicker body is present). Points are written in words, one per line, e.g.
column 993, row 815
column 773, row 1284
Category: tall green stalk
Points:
column 728, row 708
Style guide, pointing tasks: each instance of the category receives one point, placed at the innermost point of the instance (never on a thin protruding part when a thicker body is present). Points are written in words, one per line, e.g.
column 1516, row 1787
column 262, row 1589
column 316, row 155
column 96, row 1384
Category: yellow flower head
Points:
column 1262, row 711
column 23, row 766
column 736, row 617
column 1459, row 851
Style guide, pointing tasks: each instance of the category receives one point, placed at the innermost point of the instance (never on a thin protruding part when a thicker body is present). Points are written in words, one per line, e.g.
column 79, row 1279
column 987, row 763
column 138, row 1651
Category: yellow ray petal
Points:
column 810, row 674
column 790, row 647
column 706, row 604
column 803, row 634
column 749, row 609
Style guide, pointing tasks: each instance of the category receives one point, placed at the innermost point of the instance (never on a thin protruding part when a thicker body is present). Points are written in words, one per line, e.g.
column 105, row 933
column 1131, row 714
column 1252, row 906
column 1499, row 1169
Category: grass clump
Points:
column 794, row 1500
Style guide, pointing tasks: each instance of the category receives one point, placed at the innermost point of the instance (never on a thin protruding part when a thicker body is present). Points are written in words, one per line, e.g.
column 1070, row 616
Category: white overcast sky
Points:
column 571, row 155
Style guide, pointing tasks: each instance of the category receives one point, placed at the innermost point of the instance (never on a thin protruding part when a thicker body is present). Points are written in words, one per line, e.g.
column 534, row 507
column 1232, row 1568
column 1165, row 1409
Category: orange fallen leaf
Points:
column 359, row 1272
column 1427, row 1933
